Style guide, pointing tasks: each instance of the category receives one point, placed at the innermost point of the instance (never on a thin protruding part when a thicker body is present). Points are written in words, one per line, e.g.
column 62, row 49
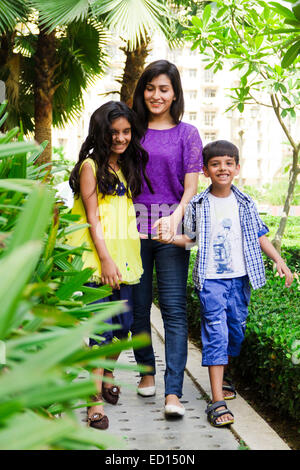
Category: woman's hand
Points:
column 165, row 229
column 110, row 273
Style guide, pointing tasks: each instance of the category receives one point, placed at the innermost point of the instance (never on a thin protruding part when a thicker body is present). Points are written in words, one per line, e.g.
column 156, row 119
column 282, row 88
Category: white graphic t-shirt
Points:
column 225, row 258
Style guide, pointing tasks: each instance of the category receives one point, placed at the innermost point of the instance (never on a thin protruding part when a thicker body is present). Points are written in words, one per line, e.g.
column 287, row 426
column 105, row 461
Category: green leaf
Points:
column 291, row 55
column 74, row 284
column 90, row 294
column 27, row 431
column 15, row 148
column 33, row 220
column 282, row 10
column 296, row 9
column 40, row 367
column 54, row 393
column 53, row 316
column 197, row 22
column 206, row 15
column 19, row 185
column 15, row 270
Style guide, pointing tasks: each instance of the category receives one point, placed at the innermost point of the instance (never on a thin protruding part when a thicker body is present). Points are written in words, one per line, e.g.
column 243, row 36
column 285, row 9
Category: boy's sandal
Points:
column 97, row 420
column 229, row 387
column 110, row 394
column 213, row 414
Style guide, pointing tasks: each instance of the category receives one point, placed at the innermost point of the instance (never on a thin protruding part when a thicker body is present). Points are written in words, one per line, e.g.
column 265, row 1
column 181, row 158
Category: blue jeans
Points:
column 171, row 264
column 124, row 318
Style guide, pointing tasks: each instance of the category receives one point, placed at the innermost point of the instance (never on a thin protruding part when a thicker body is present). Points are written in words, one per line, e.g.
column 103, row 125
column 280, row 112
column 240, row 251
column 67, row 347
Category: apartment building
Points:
column 262, row 144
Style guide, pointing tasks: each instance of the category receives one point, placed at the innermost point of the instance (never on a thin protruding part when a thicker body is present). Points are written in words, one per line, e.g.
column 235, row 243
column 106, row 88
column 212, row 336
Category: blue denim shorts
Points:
column 224, row 310
column 124, row 319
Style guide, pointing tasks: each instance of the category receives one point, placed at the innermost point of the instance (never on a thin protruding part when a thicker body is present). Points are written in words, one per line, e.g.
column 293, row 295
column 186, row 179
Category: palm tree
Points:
column 171, row 28
column 53, row 76
column 132, row 20
column 46, row 72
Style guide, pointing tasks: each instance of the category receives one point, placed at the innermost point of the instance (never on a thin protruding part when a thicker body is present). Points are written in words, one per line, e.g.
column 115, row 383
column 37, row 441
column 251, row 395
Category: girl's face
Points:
column 159, row 95
column 120, row 135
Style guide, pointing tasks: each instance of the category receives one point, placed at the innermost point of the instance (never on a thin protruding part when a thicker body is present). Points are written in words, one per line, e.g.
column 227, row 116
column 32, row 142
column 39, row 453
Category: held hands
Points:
column 110, row 273
column 283, row 270
column 166, row 229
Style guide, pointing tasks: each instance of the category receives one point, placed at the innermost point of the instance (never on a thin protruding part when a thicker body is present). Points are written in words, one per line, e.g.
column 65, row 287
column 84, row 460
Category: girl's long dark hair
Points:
column 97, row 146
column 154, row 69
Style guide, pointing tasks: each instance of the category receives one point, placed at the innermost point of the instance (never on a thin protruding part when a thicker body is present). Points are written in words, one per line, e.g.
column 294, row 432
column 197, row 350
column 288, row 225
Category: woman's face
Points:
column 120, row 135
column 159, row 95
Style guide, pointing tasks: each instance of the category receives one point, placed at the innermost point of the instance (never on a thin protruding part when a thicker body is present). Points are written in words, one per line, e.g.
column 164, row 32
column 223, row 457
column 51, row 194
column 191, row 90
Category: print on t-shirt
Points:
column 226, row 257
column 222, row 249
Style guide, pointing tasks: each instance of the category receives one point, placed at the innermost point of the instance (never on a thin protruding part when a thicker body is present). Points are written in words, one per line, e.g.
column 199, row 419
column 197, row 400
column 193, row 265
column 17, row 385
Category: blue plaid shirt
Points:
column 197, row 225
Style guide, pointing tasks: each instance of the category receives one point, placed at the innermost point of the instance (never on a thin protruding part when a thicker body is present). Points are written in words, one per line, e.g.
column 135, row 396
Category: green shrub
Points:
column 291, row 235
column 269, row 357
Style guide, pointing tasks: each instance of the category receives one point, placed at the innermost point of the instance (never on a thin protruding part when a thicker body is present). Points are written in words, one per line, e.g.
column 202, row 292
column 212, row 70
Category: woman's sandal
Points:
column 229, row 387
column 213, row 414
column 97, row 420
column 110, row 394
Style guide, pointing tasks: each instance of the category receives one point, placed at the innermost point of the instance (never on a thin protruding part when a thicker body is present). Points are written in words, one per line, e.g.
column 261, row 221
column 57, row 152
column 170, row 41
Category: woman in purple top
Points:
column 175, row 159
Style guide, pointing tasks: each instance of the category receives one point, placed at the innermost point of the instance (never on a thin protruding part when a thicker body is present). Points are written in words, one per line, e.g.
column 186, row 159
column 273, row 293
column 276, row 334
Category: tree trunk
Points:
column 134, row 66
column 10, row 65
column 45, row 65
column 286, row 209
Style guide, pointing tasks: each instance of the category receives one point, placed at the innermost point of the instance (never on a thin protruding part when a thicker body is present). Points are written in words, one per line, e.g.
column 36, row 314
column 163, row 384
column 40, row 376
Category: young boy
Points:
column 230, row 237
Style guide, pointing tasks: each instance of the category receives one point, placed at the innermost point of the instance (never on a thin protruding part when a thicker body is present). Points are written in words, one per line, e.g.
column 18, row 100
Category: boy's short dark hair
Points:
column 220, row 148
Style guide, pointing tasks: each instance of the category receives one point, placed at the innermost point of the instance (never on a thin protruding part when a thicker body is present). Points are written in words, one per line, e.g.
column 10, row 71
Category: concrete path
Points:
column 142, row 424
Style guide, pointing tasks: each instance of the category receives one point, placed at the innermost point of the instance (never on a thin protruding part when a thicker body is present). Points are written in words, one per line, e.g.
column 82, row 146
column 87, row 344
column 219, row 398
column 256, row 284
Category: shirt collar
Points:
column 242, row 197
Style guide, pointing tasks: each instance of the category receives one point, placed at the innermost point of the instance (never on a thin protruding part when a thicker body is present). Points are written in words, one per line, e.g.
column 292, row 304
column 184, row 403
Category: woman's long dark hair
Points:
column 154, row 69
column 97, row 146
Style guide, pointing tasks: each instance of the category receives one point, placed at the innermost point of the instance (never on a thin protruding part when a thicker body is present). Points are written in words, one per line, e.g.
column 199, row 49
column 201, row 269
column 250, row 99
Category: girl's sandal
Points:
column 213, row 414
column 110, row 394
column 97, row 420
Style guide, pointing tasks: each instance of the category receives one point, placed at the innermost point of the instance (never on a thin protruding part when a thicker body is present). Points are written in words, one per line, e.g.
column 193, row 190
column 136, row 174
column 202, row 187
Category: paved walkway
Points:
column 141, row 421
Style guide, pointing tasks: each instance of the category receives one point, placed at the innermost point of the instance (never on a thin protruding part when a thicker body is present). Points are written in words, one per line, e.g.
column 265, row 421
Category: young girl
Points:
column 175, row 159
column 104, row 180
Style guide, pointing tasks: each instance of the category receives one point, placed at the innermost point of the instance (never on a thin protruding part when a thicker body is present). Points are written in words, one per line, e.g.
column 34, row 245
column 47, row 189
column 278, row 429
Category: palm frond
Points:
column 11, row 13
column 83, row 60
column 117, row 14
column 53, row 14
column 149, row 15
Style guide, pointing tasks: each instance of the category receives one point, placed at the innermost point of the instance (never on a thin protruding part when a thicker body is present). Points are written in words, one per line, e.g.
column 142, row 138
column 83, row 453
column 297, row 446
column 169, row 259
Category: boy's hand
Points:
column 283, row 270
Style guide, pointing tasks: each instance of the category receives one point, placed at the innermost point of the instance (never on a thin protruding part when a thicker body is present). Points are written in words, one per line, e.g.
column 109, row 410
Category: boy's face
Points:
column 221, row 170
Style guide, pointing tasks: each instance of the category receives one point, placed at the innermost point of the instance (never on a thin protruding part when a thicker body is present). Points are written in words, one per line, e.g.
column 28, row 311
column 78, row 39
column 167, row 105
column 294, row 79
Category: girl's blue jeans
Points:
column 171, row 264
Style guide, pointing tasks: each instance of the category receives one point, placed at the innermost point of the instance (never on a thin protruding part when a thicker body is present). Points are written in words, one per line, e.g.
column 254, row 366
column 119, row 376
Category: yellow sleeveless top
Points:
column 118, row 222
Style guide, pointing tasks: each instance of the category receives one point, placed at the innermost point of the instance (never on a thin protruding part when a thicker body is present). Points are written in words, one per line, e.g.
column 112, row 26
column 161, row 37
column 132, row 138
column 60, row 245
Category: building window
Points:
column 259, row 146
column 193, row 94
column 208, row 76
column 193, row 73
column 192, row 116
column 62, row 142
column 210, row 136
column 210, row 92
column 209, row 118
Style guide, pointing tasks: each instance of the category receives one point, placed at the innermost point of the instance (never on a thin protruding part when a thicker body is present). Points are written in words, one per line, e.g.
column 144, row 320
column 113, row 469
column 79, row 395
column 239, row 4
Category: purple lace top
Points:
column 172, row 153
